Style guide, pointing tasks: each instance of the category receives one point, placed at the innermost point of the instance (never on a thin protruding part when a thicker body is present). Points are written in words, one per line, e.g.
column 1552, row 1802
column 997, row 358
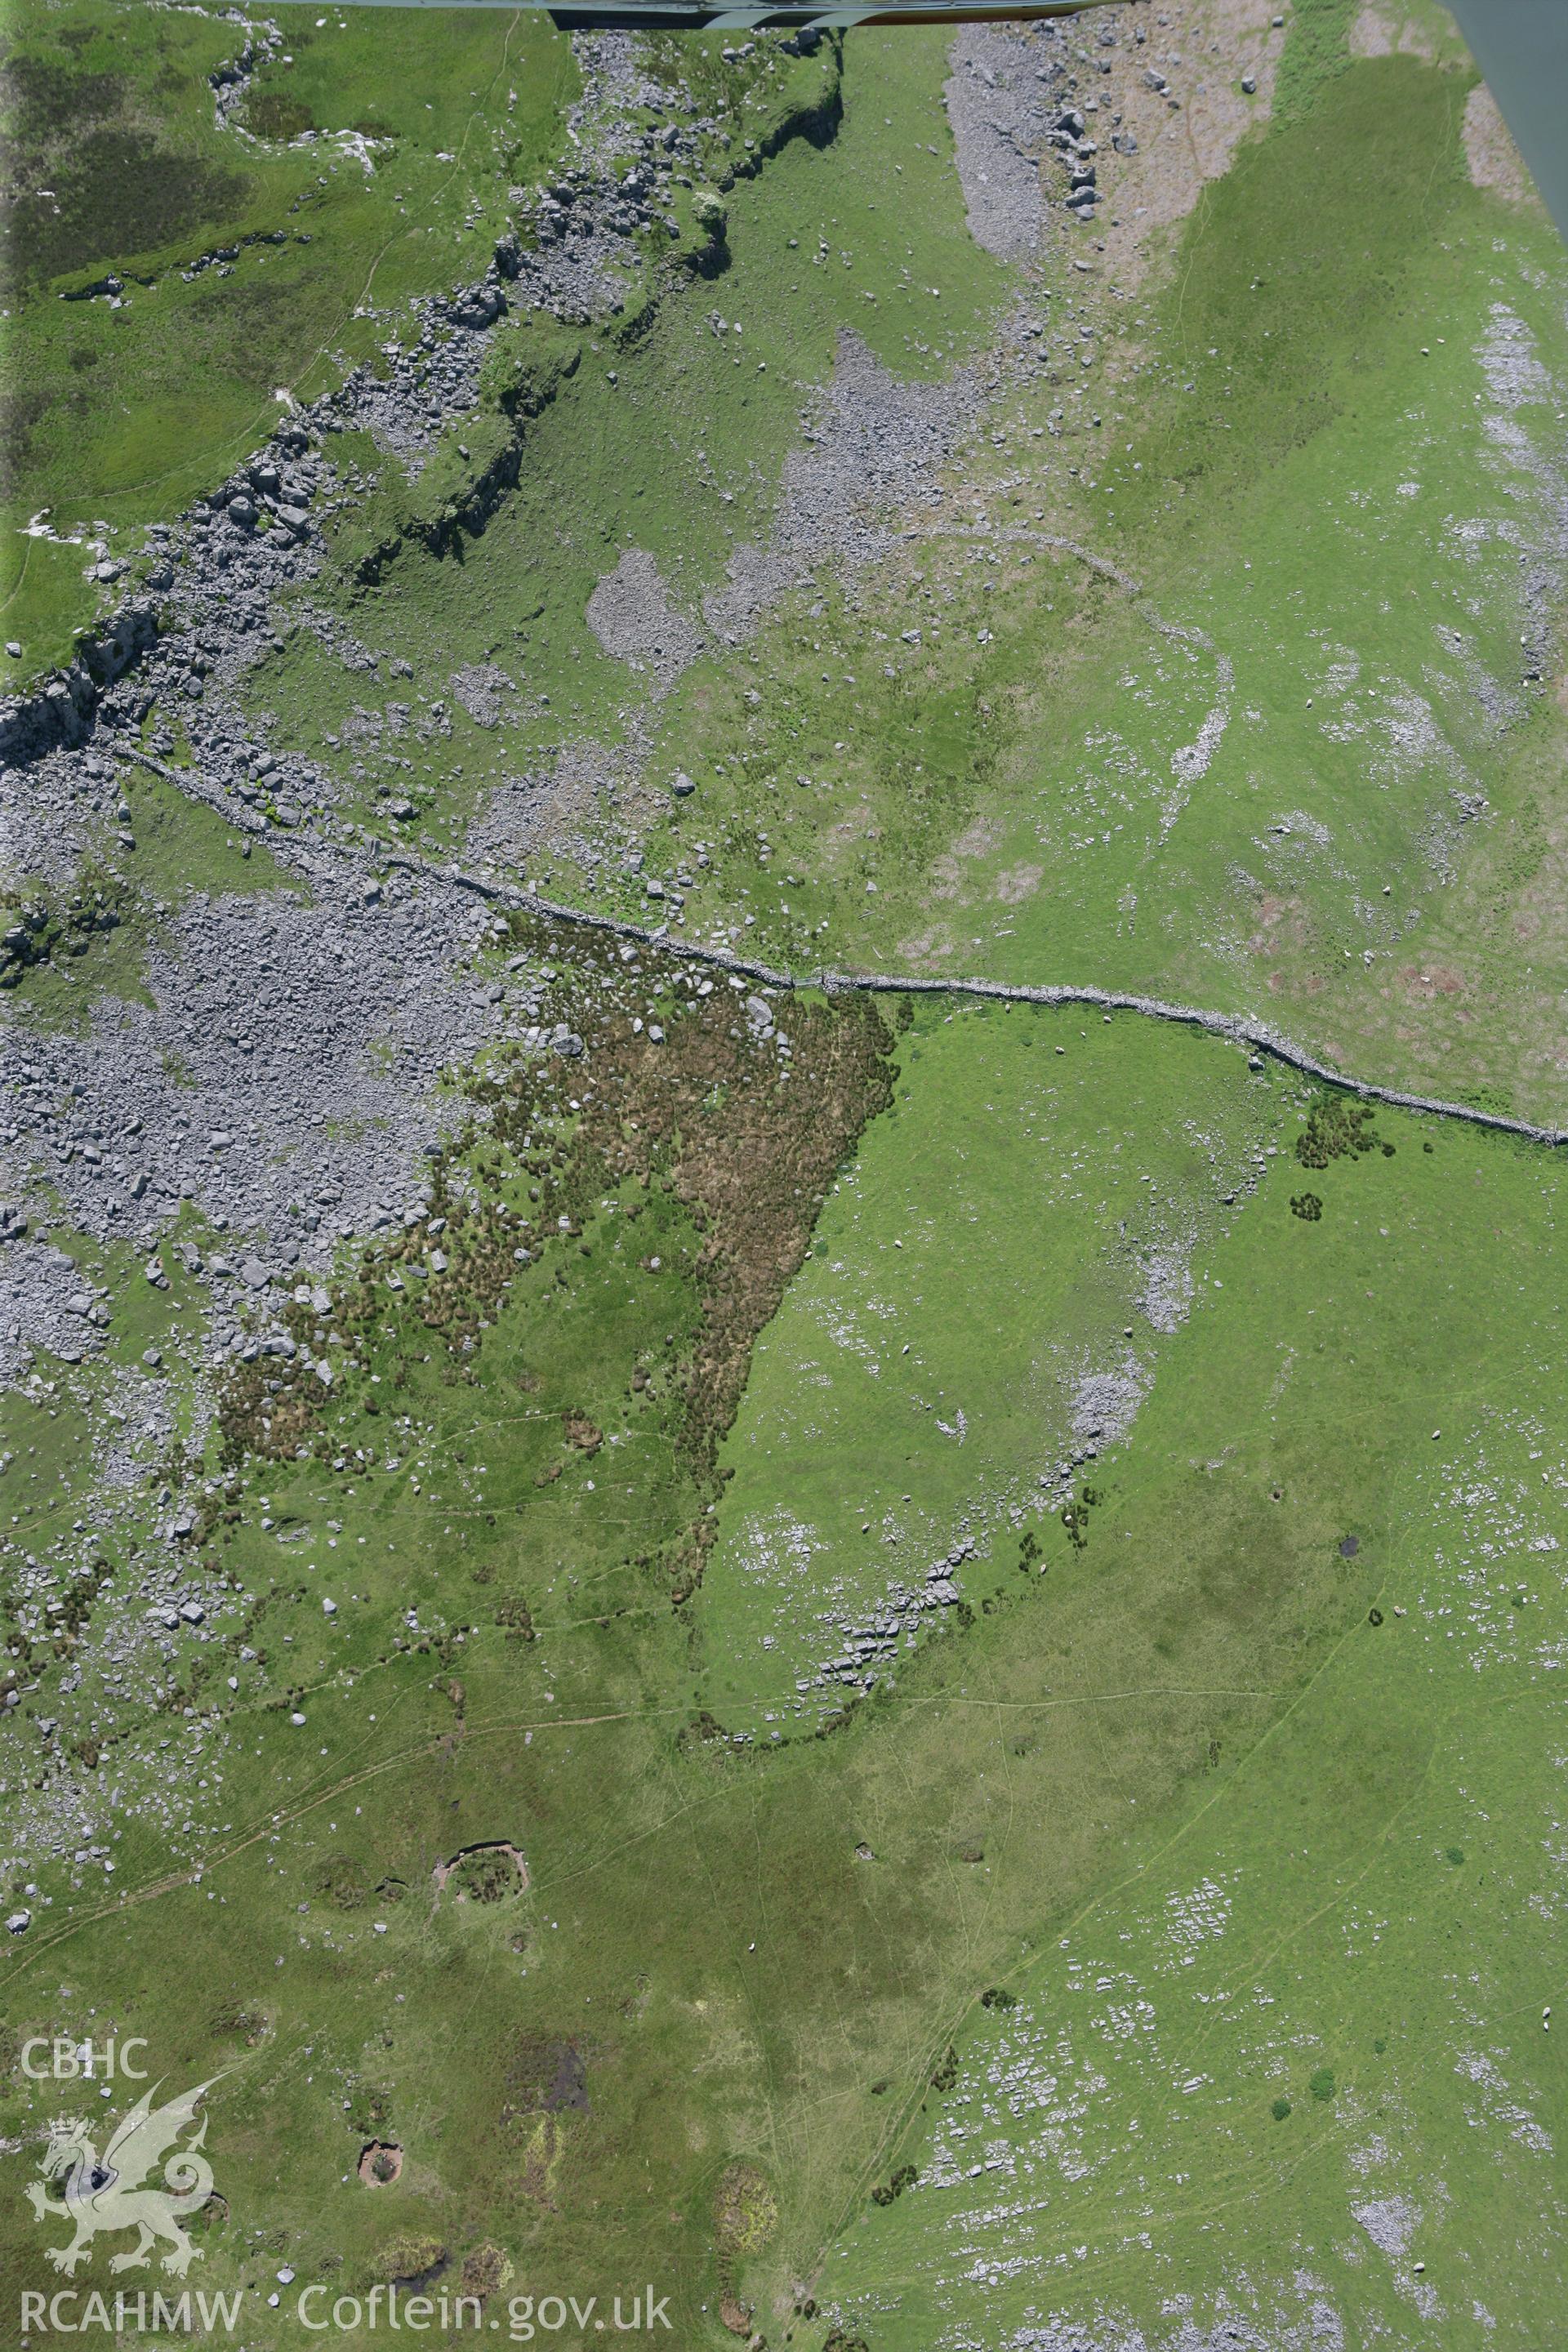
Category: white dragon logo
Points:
column 107, row 2192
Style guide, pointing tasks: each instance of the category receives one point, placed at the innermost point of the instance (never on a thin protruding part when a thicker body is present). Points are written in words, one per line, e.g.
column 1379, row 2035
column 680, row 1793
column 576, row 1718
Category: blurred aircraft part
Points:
column 1521, row 48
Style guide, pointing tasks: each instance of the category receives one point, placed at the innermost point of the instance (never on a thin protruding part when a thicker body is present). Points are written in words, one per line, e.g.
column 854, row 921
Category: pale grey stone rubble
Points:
column 1026, row 130
column 46, row 1304
column 1316, row 2326
column 585, row 779
column 1001, row 107
column 873, row 442
column 630, row 613
column 281, row 1077
column 1105, row 1403
column 481, row 689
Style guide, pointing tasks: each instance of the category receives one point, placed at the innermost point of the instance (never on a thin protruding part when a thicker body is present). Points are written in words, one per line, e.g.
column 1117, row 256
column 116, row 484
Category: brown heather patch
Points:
column 708, row 1116
column 486, row 2271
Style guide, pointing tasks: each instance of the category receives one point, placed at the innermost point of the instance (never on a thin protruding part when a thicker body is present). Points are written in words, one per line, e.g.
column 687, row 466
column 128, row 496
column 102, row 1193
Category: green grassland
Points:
column 1312, row 765
column 1310, row 768
column 119, row 416
column 705, row 1995
column 1313, row 2020
column 1020, row 1237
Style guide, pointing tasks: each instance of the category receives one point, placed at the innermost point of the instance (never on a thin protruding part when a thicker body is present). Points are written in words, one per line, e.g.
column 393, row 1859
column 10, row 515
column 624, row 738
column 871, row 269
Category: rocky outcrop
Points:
column 62, row 711
column 589, row 218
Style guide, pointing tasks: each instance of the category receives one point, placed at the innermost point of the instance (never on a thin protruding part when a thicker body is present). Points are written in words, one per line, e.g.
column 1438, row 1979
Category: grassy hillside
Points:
column 504, row 1735
column 757, row 1955
column 1311, row 765
column 117, row 415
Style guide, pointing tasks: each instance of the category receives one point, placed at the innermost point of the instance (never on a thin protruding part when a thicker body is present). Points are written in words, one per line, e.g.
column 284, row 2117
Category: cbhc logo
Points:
column 71, row 2062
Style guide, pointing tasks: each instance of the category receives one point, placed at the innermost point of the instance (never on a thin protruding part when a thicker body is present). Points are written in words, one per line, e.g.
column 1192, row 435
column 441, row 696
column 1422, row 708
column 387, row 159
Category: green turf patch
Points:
column 1317, row 47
